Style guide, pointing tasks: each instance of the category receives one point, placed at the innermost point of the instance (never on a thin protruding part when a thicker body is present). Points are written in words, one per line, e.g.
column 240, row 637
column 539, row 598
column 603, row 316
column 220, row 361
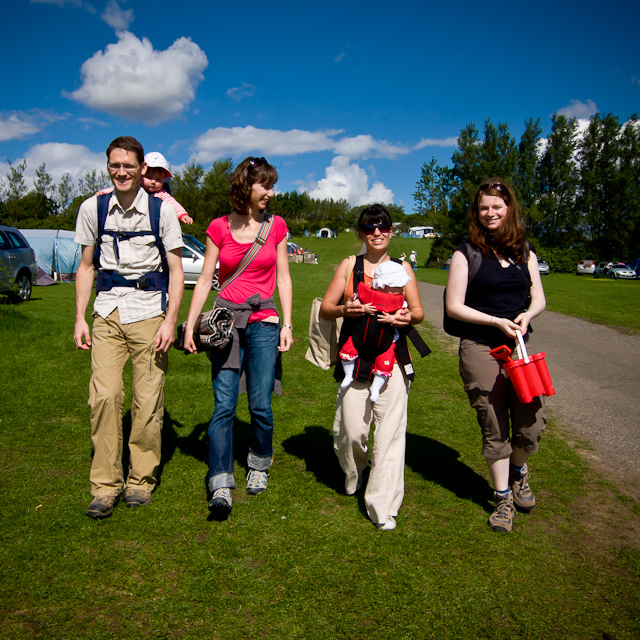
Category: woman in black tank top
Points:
column 496, row 300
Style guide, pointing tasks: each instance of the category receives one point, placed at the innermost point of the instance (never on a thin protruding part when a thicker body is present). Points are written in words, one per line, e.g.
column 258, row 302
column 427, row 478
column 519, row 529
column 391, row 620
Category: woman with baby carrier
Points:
column 494, row 290
column 355, row 410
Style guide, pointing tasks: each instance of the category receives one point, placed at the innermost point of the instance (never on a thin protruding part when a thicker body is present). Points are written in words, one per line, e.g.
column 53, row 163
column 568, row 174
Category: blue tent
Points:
column 56, row 251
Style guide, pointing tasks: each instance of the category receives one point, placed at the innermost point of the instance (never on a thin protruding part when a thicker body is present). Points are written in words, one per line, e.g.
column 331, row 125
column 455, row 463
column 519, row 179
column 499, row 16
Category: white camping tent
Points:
column 56, row 251
column 325, row 232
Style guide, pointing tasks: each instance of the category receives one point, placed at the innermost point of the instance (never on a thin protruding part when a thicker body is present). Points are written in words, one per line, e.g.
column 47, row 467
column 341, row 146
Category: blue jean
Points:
column 258, row 351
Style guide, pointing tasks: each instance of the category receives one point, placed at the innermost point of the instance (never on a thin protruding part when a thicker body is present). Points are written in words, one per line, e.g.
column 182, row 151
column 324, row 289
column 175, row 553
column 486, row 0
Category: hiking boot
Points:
column 221, row 499
column 137, row 498
column 257, row 481
column 102, row 506
column 522, row 495
column 502, row 517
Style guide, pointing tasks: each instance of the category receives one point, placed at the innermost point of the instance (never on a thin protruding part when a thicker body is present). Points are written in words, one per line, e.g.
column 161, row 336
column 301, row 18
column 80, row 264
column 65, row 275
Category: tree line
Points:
column 579, row 191
column 203, row 193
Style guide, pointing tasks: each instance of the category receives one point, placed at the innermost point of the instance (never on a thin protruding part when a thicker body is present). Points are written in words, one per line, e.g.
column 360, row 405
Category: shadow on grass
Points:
column 315, row 447
column 440, row 464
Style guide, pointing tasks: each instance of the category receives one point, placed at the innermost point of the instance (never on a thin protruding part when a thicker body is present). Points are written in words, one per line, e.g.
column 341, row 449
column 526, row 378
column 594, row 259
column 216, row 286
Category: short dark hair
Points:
column 127, row 143
column 373, row 215
column 245, row 176
column 510, row 239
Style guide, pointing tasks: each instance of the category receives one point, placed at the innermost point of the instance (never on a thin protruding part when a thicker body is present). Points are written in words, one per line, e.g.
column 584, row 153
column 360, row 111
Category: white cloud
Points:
column 132, row 80
column 436, row 142
column 116, row 17
column 350, row 182
column 16, row 125
column 59, row 158
column 340, row 57
column 580, row 110
column 243, row 91
column 364, row 146
column 238, row 141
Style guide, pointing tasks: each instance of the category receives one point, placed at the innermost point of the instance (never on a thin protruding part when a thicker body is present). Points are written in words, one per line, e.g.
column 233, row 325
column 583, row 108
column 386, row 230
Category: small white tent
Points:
column 325, row 232
column 56, row 251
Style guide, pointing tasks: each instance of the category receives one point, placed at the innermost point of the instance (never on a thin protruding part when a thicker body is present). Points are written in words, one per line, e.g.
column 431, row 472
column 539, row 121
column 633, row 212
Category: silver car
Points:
column 585, row 267
column 18, row 267
column 620, row 270
column 543, row 268
column 193, row 261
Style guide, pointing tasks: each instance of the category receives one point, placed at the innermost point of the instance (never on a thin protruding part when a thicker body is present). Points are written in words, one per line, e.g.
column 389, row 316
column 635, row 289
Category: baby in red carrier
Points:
column 387, row 296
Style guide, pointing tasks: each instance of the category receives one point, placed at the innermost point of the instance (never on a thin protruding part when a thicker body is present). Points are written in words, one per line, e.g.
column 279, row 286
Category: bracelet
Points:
column 287, row 326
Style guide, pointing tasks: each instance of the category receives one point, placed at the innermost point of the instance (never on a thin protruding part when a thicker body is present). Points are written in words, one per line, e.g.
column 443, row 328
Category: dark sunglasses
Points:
column 370, row 229
column 257, row 162
column 495, row 185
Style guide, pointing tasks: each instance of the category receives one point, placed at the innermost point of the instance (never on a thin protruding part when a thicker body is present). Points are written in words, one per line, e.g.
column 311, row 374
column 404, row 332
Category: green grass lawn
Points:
column 302, row 560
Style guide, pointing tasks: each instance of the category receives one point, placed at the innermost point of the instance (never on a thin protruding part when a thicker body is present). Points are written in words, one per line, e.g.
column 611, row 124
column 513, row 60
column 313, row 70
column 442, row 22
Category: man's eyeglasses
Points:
column 257, row 162
column 116, row 166
column 370, row 229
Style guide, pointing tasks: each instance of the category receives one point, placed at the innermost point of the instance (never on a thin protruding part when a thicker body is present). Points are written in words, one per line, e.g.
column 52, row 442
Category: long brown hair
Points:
column 247, row 173
column 510, row 239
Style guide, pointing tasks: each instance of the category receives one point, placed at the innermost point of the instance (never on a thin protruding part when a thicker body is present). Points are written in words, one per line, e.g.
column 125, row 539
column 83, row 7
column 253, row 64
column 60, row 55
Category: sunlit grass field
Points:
column 302, row 560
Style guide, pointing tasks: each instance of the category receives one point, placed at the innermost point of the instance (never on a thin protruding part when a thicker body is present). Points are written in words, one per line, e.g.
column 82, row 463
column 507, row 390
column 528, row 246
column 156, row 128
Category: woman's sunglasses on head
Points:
column 495, row 185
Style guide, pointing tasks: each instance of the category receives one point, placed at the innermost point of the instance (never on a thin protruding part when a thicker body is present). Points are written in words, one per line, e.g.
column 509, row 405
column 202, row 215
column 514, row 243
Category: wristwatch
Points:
column 288, row 326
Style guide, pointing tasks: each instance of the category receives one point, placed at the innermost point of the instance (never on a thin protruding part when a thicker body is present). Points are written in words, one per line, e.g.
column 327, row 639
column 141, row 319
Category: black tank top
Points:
column 499, row 291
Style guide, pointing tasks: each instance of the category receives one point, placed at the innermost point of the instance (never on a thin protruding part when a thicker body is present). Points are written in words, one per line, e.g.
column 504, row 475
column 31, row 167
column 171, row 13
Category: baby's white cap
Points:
column 156, row 159
column 390, row 274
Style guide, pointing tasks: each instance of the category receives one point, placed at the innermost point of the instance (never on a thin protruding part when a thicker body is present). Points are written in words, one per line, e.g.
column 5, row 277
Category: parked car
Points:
column 543, row 268
column 18, row 267
column 601, row 269
column 620, row 270
column 585, row 267
column 292, row 247
column 193, row 261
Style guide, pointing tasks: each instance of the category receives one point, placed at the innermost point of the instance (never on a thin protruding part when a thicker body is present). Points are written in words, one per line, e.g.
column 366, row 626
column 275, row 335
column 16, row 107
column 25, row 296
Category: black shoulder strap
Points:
column 474, row 258
column 103, row 211
column 358, row 272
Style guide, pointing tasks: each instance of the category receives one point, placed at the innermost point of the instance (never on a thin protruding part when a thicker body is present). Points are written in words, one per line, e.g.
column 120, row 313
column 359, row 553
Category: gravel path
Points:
column 595, row 371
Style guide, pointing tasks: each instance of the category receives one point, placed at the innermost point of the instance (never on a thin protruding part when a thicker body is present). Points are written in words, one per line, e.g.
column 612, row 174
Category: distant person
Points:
column 355, row 411
column 403, row 256
column 494, row 305
column 258, row 336
column 139, row 288
column 413, row 259
column 384, row 298
column 154, row 180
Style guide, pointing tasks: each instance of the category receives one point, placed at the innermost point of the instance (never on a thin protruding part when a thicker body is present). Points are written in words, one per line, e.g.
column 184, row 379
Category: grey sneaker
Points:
column 522, row 494
column 502, row 517
column 257, row 481
column 221, row 499
column 102, row 506
column 137, row 498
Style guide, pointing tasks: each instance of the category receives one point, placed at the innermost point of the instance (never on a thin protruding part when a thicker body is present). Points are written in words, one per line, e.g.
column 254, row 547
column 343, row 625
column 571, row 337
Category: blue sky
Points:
column 347, row 99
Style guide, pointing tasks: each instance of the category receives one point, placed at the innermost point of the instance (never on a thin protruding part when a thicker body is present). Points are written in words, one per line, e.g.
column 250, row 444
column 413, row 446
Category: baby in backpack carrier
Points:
column 153, row 180
column 387, row 296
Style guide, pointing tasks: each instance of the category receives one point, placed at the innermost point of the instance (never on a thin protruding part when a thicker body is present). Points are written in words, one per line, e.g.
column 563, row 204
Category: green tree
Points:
column 558, row 225
column 43, row 183
column 602, row 198
column 92, row 182
column 526, row 178
column 64, row 191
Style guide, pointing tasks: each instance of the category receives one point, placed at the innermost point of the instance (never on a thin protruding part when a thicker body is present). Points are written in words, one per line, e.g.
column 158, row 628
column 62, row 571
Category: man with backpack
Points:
column 131, row 242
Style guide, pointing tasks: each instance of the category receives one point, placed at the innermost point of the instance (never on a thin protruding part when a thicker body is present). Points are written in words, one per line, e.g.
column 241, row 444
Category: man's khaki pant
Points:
column 112, row 345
